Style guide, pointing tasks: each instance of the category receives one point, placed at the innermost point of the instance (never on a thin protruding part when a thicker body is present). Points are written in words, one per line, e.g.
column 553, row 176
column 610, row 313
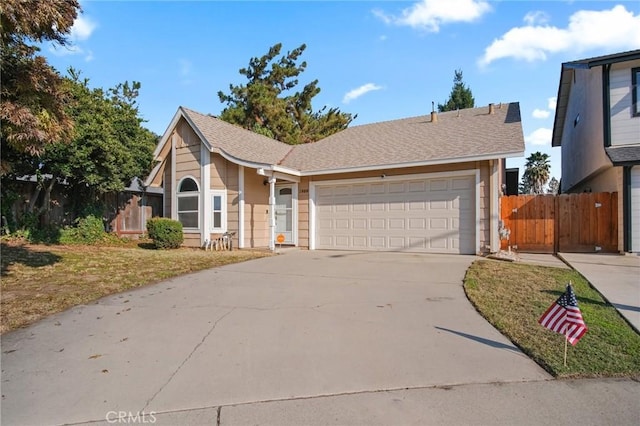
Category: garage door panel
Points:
column 426, row 215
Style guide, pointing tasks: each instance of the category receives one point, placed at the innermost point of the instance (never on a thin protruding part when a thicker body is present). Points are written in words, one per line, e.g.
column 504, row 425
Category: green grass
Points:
column 513, row 296
column 39, row 280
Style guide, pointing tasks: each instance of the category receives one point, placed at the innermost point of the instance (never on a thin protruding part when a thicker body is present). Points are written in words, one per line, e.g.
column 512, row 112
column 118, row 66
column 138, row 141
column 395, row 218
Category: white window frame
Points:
column 222, row 193
column 186, row 195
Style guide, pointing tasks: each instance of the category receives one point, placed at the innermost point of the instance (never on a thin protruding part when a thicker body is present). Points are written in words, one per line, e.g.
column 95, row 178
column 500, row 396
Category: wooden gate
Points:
column 578, row 223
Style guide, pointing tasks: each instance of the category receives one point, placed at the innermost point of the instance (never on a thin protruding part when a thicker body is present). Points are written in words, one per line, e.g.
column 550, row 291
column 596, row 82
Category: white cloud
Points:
column 382, row 38
column 356, row 93
column 541, row 136
column 429, row 15
column 551, row 103
column 82, row 28
column 536, row 18
column 614, row 29
column 540, row 113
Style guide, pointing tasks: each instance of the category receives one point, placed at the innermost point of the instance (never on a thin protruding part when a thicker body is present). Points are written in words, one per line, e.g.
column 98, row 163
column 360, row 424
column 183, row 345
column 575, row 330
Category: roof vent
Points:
column 434, row 117
column 492, row 109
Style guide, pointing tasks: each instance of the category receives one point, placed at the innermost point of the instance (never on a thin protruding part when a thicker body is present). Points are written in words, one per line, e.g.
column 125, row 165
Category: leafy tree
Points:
column 109, row 148
column 554, row 186
column 536, row 173
column 268, row 104
column 460, row 97
column 33, row 99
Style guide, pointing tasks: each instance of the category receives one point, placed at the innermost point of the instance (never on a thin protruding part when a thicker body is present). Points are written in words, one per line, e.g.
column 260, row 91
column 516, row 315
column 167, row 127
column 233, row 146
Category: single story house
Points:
column 422, row 184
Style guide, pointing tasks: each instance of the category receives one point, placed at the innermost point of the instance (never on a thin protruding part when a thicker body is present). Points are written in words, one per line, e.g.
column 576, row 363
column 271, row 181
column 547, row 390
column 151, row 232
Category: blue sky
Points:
column 382, row 60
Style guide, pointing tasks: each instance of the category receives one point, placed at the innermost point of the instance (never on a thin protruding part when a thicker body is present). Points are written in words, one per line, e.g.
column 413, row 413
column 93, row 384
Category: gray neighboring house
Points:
column 422, row 184
column 597, row 124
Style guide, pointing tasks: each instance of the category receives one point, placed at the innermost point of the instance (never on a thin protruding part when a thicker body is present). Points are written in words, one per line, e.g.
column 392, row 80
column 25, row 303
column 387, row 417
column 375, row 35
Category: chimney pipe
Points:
column 492, row 109
column 434, row 117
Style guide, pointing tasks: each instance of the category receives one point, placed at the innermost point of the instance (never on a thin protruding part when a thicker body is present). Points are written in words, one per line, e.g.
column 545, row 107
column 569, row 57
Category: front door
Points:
column 284, row 214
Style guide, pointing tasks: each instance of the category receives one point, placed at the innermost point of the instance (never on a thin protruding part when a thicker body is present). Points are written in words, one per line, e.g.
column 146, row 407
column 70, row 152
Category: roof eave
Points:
column 495, row 156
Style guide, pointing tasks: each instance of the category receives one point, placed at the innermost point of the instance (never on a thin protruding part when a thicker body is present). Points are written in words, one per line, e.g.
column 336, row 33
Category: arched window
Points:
column 188, row 203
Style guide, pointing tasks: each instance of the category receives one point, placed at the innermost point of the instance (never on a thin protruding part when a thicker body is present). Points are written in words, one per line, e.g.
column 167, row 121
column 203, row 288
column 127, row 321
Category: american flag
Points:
column 564, row 317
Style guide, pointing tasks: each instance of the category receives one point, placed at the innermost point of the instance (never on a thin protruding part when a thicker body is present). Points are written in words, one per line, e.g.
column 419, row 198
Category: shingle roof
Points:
column 236, row 141
column 455, row 135
column 621, row 155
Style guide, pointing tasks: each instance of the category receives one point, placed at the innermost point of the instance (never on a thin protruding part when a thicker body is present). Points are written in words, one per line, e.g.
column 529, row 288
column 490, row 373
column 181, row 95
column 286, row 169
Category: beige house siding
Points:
column 187, row 163
column 256, row 210
column 303, row 213
column 624, row 127
column 224, row 175
column 167, row 188
column 583, row 129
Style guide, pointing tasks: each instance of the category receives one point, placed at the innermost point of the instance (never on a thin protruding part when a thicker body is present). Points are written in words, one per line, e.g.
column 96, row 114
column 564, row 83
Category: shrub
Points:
column 165, row 233
column 88, row 230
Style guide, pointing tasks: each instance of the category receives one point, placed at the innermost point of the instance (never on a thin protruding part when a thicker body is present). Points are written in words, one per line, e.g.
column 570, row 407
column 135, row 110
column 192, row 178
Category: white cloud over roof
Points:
column 356, row 93
column 613, row 29
column 540, row 136
column 429, row 15
column 540, row 113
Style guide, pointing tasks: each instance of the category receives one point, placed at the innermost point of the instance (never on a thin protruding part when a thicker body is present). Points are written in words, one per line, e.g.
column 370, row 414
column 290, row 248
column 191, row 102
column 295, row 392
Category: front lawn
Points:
column 513, row 296
column 40, row 280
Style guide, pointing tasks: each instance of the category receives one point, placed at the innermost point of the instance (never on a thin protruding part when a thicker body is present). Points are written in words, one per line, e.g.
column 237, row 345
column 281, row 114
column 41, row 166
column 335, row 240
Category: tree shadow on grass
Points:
column 14, row 254
column 580, row 299
column 147, row 246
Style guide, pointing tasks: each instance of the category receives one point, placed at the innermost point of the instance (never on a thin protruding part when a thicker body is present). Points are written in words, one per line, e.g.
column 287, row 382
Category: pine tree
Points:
column 269, row 105
column 460, row 97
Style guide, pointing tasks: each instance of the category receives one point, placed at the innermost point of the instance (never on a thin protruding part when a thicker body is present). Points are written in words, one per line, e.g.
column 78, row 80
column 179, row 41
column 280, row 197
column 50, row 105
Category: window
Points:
column 635, row 80
column 188, row 202
column 218, row 210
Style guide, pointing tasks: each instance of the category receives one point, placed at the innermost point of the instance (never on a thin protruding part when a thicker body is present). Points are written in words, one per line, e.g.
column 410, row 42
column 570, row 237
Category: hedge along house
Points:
column 423, row 184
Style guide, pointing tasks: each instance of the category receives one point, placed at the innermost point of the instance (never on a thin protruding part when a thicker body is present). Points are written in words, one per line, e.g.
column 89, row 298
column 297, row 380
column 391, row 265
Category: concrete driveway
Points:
column 301, row 324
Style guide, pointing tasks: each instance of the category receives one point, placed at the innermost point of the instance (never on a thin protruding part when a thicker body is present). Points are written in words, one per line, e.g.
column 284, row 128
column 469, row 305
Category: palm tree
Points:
column 536, row 172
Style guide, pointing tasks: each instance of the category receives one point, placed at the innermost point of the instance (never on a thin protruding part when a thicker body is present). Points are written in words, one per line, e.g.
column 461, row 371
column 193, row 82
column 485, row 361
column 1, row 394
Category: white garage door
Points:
column 635, row 209
column 435, row 215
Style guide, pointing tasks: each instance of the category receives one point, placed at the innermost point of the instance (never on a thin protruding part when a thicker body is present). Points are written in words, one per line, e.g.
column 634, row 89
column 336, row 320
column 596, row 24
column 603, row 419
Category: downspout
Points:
column 606, row 105
column 272, row 213
column 240, row 206
column 494, row 241
column 626, row 208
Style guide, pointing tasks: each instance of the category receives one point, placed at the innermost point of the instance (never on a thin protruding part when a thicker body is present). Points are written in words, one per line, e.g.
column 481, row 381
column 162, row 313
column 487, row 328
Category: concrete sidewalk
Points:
column 566, row 402
column 617, row 278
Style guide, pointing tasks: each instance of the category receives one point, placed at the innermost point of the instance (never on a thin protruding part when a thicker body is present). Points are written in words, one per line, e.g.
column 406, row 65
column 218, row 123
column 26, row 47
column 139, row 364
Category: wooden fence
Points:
column 578, row 223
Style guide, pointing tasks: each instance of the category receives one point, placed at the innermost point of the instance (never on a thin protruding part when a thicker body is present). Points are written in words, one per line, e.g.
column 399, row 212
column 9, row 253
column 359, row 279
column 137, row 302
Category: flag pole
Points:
column 566, row 339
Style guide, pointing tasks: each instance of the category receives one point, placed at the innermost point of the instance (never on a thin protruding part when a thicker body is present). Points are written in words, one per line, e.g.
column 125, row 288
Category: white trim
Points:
column 272, row 213
column 174, row 184
column 240, row 206
column 223, row 210
column 494, row 214
column 205, row 172
column 312, row 216
column 294, row 208
column 200, row 196
column 478, row 251
column 467, row 172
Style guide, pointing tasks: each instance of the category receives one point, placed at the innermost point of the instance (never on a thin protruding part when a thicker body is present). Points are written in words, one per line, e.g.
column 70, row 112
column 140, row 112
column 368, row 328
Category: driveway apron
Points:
column 301, row 324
